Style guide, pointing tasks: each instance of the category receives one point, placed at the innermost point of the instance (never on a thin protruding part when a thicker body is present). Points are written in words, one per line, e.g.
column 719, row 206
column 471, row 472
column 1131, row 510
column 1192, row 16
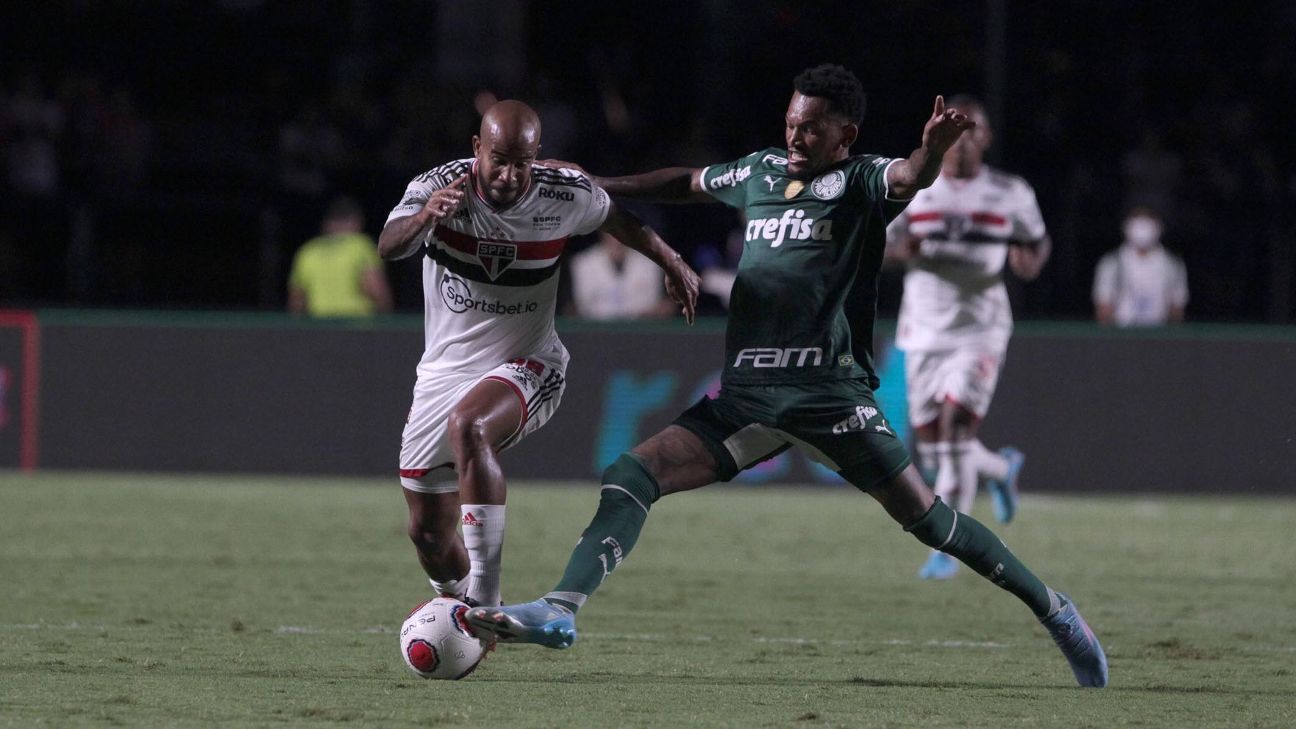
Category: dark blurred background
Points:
column 175, row 154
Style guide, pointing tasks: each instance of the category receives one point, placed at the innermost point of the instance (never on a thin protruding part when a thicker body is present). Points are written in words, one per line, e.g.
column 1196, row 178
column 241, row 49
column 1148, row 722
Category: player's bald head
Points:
column 506, row 147
column 511, row 124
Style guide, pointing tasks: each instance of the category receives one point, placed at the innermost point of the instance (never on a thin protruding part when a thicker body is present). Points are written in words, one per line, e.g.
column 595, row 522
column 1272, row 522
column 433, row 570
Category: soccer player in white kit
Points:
column 955, row 317
column 492, row 229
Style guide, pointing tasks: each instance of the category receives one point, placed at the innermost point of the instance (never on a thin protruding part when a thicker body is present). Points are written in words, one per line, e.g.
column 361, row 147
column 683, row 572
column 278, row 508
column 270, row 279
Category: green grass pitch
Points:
column 191, row 601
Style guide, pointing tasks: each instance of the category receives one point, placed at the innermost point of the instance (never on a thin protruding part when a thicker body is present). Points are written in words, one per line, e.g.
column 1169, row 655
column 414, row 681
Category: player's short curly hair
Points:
column 836, row 84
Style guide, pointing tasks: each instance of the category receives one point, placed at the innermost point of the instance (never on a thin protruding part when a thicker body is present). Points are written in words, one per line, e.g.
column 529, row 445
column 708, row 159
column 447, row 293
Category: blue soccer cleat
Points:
column 1078, row 643
column 939, row 566
column 1003, row 494
column 536, row 622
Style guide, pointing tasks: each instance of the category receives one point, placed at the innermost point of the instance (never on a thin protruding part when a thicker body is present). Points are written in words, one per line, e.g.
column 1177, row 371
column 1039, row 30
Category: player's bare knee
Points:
column 432, row 541
column 467, row 434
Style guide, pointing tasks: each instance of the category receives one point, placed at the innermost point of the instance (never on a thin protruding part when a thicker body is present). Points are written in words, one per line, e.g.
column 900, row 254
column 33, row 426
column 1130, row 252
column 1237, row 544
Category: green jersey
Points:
column 809, row 246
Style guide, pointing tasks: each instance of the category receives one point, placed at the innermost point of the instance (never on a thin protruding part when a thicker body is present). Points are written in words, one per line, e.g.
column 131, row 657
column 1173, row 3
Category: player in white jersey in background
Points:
column 492, row 228
column 955, row 317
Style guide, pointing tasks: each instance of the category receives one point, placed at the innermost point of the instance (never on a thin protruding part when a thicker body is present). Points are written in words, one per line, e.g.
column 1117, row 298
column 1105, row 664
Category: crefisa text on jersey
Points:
column 793, row 225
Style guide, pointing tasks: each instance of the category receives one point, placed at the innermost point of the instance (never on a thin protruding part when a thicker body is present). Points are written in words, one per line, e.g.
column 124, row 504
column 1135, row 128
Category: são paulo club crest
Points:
column 494, row 257
column 829, row 185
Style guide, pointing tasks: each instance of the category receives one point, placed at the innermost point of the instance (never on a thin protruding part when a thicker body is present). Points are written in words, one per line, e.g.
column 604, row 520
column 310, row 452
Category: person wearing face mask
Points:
column 1141, row 283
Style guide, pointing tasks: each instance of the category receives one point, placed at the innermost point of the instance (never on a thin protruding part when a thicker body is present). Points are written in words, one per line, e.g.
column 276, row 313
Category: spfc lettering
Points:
column 495, row 257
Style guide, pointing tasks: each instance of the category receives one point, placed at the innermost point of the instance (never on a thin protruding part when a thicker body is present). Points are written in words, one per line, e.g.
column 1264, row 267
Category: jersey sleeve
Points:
column 871, row 181
column 1028, row 221
column 871, row 178
column 297, row 274
column 420, row 189
column 594, row 207
column 727, row 182
column 1104, row 284
column 367, row 253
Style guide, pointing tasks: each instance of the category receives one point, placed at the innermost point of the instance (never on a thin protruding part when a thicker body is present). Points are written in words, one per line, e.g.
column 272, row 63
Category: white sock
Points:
column 453, row 588
column 956, row 474
column 928, row 461
column 483, row 535
column 988, row 463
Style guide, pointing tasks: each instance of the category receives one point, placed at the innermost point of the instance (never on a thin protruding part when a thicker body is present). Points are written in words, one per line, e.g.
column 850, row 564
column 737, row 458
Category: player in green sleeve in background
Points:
column 798, row 370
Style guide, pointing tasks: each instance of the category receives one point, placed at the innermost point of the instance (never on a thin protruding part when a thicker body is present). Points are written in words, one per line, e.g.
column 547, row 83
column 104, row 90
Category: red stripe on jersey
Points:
column 983, row 218
column 988, row 218
column 527, row 250
column 414, row 472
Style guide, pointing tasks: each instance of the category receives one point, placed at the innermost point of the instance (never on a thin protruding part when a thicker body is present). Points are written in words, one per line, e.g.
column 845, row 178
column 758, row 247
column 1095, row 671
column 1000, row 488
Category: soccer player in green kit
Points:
column 798, row 361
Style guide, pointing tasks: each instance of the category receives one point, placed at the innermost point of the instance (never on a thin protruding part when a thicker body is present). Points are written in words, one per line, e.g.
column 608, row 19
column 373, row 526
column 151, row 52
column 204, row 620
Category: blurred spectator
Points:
column 1140, row 283
column 309, row 146
column 610, row 281
column 339, row 273
column 123, row 156
column 718, row 269
column 33, row 125
column 1152, row 175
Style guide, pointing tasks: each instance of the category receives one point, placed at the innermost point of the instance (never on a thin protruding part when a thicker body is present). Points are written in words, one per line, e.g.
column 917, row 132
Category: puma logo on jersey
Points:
column 794, row 225
column 770, row 181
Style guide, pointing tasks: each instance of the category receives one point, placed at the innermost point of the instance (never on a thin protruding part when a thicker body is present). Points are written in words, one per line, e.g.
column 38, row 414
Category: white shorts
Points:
column 426, row 459
column 965, row 376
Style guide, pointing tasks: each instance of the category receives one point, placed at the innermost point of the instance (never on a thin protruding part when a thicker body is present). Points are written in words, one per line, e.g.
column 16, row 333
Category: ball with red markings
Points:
column 437, row 642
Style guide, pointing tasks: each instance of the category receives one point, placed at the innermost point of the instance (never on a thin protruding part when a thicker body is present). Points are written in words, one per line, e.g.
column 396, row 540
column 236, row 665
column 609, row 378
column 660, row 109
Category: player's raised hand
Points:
column 682, row 286
column 944, row 127
column 445, row 201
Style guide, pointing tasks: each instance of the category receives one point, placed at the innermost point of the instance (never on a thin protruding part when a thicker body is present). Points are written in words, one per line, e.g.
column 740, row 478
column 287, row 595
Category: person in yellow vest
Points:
column 339, row 273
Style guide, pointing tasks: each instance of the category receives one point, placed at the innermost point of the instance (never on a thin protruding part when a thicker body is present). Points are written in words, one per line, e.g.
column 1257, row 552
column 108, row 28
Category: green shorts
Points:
column 836, row 423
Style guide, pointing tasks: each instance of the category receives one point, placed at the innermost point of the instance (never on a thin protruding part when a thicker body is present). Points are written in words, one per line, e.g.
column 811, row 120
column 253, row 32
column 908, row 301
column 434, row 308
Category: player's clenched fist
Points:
column 445, row 201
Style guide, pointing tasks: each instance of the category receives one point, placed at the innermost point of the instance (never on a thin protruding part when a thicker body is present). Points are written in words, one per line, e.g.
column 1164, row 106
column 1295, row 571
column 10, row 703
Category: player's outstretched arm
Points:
column 681, row 280
column 908, row 176
column 667, row 185
column 400, row 237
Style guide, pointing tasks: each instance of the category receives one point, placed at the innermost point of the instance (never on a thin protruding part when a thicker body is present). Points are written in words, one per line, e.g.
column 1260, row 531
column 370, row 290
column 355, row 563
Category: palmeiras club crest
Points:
column 829, row 185
column 494, row 257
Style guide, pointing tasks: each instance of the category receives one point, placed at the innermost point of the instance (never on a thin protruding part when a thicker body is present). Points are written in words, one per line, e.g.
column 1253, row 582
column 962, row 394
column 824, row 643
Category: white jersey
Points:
column 1142, row 287
column 954, row 296
column 490, row 275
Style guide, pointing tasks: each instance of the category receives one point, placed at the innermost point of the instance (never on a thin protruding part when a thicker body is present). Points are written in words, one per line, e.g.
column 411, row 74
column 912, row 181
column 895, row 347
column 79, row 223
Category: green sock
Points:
column 628, row 492
column 967, row 539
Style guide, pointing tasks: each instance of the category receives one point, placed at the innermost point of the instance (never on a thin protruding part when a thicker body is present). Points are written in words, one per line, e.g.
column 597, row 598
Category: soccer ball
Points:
column 436, row 641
